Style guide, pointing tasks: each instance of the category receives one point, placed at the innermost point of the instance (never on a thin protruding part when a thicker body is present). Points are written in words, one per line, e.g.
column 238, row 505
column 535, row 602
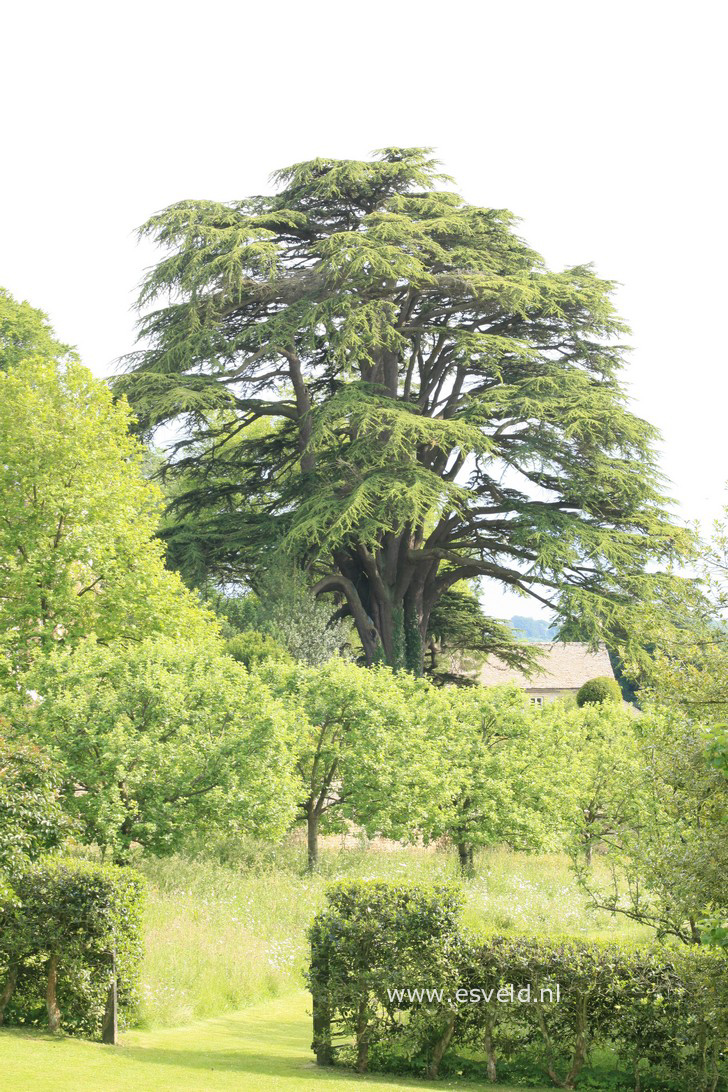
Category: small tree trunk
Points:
column 581, row 1044
column 712, row 1083
column 8, row 989
column 550, row 1061
column 465, row 856
column 490, row 1048
column 312, row 833
column 109, row 1026
column 441, row 1046
column 54, row 1013
column 322, row 1029
column 362, row 1037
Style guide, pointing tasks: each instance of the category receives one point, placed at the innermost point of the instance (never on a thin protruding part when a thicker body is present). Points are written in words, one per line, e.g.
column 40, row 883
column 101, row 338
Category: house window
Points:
column 536, row 701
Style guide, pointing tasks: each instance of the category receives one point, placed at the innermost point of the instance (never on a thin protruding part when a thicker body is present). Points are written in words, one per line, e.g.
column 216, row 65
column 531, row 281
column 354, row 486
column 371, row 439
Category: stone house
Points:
column 563, row 669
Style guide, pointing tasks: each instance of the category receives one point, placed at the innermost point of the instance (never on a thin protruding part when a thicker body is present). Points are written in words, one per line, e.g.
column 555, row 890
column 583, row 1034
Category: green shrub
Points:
column 596, row 691
column 252, row 648
column 661, row 1015
column 545, row 1005
column 31, row 817
column 69, row 926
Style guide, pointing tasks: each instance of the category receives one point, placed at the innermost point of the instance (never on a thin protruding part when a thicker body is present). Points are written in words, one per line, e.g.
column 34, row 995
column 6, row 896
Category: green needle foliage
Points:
column 439, row 405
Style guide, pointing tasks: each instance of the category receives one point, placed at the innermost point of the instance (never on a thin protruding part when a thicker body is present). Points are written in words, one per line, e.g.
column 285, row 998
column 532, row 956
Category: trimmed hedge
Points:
column 660, row 1016
column 367, row 930
column 68, row 930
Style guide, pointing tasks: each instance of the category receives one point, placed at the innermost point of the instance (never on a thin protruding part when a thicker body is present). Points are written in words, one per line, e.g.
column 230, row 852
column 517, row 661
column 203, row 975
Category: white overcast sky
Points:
column 602, row 125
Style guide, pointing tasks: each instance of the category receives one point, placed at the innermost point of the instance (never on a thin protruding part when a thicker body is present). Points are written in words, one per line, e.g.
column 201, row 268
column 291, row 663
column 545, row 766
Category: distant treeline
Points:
column 532, row 629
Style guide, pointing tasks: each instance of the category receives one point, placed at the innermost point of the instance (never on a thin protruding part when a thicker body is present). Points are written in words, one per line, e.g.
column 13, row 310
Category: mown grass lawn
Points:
column 265, row 1047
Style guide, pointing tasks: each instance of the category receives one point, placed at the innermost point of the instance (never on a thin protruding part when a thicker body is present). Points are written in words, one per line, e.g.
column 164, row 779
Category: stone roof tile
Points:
column 561, row 667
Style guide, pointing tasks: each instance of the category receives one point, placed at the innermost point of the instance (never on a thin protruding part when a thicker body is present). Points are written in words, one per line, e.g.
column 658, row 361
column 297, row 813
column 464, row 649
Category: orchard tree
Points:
column 442, row 406
column 77, row 548
column 508, row 772
column 156, row 740
column 370, row 751
column 605, row 777
column 688, row 665
column 668, row 853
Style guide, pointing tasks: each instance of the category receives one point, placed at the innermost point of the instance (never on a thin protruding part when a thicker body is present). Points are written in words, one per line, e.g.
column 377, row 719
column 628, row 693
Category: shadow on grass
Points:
column 289, row 1067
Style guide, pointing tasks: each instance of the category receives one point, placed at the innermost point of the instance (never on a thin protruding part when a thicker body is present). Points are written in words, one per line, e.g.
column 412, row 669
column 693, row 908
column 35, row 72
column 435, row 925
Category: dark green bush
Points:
column 65, row 930
column 658, row 1017
column 596, row 691
column 367, row 930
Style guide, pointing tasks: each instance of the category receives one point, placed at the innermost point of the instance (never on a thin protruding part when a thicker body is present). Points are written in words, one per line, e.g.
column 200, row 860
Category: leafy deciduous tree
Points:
column 505, row 765
column 284, row 609
column 668, row 851
column 31, row 817
column 164, row 737
column 604, row 778
column 370, row 749
column 688, row 662
column 77, row 547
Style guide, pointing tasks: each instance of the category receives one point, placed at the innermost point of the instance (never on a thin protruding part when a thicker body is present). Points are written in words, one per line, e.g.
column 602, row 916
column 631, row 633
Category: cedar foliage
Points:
column 439, row 406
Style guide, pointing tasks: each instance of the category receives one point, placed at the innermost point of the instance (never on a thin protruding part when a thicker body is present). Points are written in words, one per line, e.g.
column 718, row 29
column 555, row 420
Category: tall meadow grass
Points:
column 220, row 936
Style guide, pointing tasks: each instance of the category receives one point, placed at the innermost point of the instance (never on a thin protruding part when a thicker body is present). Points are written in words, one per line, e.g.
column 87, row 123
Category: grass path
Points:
column 261, row 1049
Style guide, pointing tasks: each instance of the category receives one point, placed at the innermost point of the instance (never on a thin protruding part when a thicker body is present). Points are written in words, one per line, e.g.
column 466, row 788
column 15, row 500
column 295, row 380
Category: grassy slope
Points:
column 263, row 1049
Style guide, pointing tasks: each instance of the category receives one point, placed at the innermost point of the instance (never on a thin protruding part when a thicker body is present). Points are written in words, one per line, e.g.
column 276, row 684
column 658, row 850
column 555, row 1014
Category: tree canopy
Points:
column 665, row 830
column 440, row 406
column 31, row 817
column 371, row 748
column 688, row 665
column 78, row 552
column 159, row 738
